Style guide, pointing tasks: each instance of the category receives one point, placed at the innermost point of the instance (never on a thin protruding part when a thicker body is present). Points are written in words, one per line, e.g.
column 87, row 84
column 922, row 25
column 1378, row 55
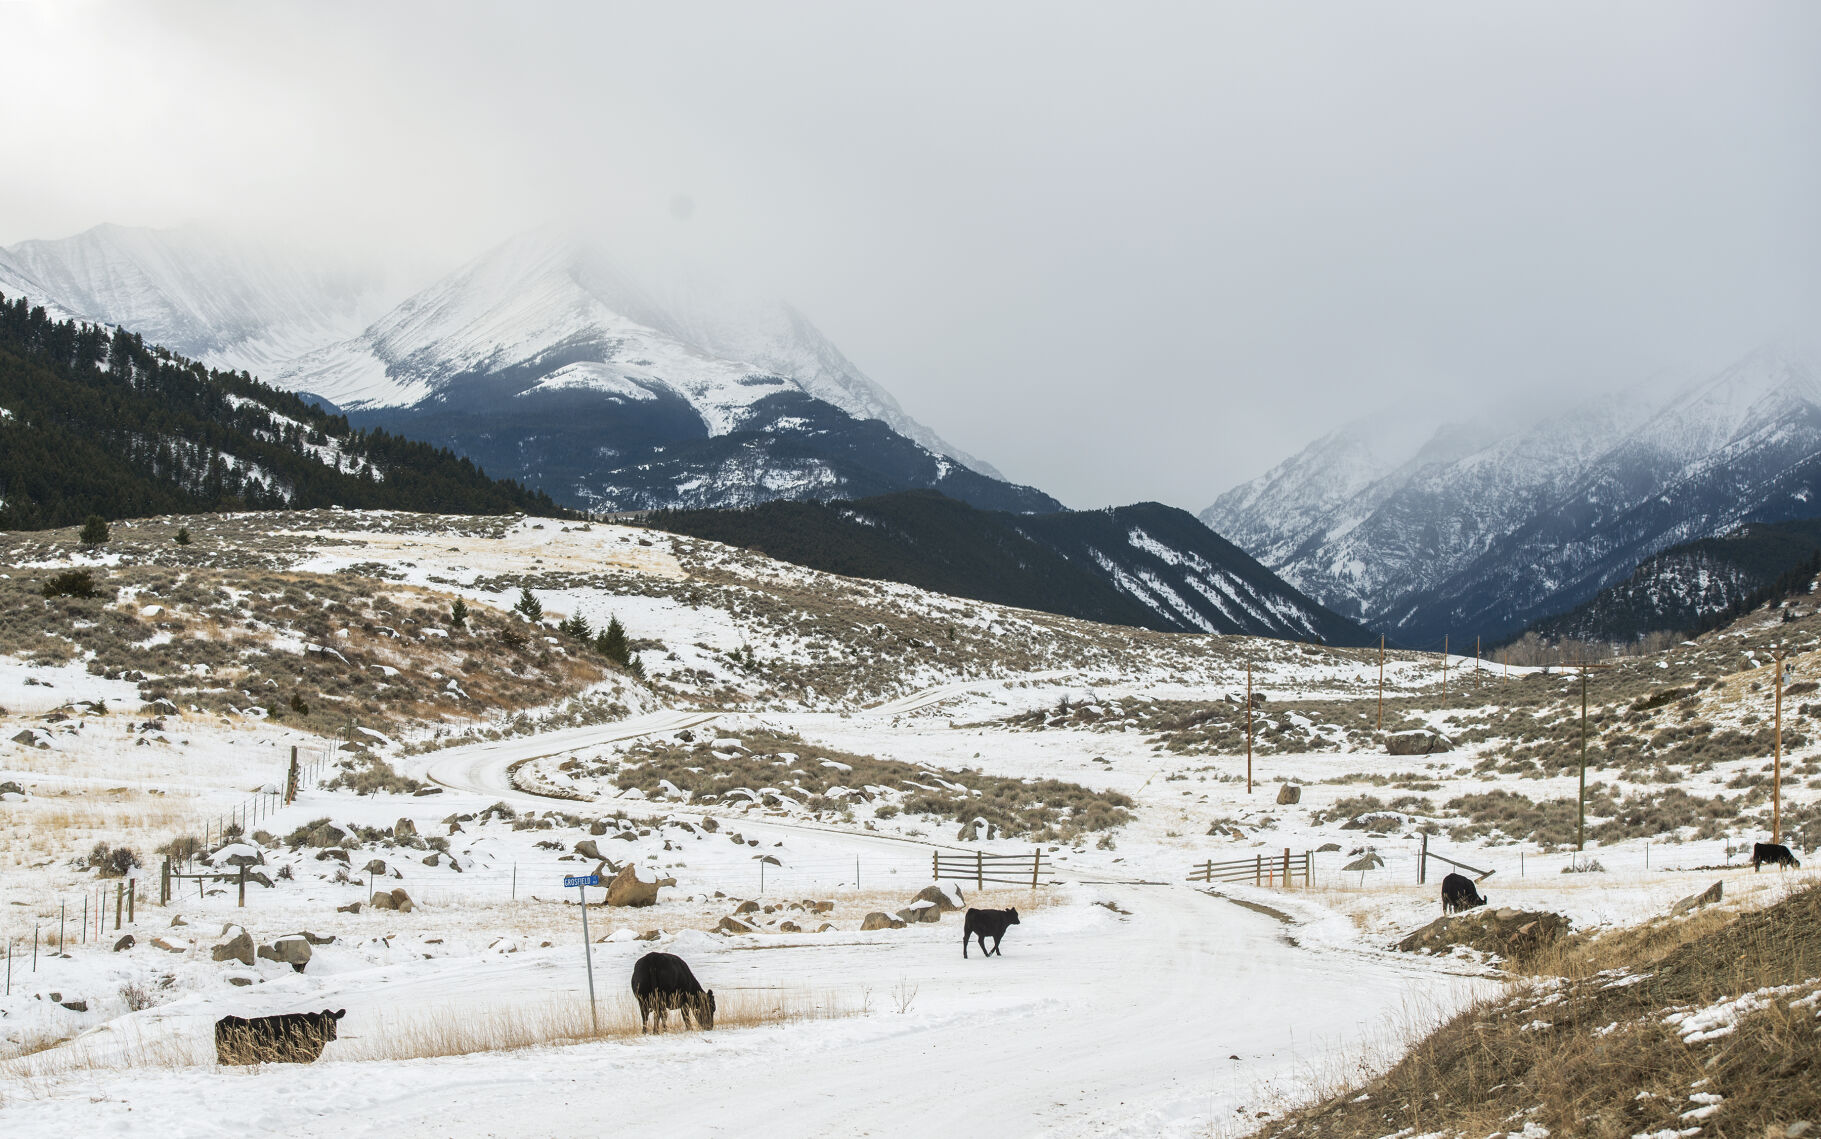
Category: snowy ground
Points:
column 1127, row 1002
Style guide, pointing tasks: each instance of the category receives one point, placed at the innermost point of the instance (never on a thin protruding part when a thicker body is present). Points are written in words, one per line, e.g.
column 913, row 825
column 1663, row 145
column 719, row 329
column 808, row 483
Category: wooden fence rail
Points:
column 982, row 868
column 1260, row 869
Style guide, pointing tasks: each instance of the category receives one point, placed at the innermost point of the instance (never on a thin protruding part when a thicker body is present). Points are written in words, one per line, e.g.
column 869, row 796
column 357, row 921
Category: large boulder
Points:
column 327, row 835
column 945, row 899
column 733, row 925
column 1694, row 902
column 876, row 920
column 124, row 943
column 236, row 948
column 404, row 829
column 382, row 900
column 920, row 912
column 401, row 901
column 293, row 951
column 747, row 907
column 587, row 849
column 628, row 889
column 1289, row 794
column 1421, row 742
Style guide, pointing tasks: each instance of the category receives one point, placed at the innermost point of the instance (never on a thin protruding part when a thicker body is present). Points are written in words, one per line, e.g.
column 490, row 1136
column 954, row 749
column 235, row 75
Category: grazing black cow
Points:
column 662, row 981
column 1458, row 894
column 291, row 1038
column 985, row 924
column 1773, row 853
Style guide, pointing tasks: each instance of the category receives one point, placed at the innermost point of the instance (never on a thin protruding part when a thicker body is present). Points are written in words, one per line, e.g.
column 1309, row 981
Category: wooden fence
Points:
column 982, row 868
column 1260, row 869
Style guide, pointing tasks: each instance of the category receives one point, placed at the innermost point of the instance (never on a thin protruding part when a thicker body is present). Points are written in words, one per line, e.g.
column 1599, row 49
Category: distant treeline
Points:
column 95, row 421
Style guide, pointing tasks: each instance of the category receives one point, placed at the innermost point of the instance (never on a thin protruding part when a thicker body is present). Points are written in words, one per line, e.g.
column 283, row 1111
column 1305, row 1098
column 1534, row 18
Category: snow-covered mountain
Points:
column 1485, row 529
column 230, row 303
column 544, row 360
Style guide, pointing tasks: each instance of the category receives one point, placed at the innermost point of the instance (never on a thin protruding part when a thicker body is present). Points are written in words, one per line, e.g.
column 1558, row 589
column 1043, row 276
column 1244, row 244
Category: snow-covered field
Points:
column 1128, row 1001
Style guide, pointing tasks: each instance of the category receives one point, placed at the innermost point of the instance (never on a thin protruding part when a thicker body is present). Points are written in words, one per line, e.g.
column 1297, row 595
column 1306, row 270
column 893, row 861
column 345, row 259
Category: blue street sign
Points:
column 582, row 880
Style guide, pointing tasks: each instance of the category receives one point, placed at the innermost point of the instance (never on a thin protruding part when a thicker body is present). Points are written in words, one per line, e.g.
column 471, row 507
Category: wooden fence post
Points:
column 979, row 870
column 1286, row 868
column 1036, row 861
column 1258, row 870
column 119, row 903
column 243, row 884
column 164, row 883
column 132, row 890
column 1422, row 861
column 935, row 867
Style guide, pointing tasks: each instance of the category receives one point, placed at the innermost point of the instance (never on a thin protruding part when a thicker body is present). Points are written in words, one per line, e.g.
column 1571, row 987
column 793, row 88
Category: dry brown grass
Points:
column 1599, row 1046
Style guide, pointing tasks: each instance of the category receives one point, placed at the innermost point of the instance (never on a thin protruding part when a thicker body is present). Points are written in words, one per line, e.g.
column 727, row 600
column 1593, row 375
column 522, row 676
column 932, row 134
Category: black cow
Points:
column 1773, row 853
column 1458, row 894
column 662, row 981
column 988, row 923
column 291, row 1038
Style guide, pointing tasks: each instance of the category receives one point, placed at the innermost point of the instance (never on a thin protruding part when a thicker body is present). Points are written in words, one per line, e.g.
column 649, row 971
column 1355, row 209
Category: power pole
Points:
column 1444, row 666
column 1580, row 825
column 1248, row 727
column 1381, row 682
column 1776, row 781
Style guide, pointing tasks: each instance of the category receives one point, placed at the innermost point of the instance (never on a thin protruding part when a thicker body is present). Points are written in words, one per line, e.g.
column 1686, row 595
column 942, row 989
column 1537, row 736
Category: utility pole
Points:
column 1476, row 658
column 1381, row 682
column 1580, row 824
column 1776, row 781
column 1444, row 666
column 1248, row 727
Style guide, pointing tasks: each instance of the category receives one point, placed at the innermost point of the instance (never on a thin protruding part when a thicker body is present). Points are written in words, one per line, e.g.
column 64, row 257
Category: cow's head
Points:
column 1012, row 917
column 1476, row 900
column 705, row 1009
column 328, row 1022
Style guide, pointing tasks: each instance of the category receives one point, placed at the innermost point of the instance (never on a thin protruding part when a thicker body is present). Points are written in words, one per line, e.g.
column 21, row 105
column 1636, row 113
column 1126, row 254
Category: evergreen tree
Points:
column 612, row 643
column 183, row 535
column 575, row 627
column 94, row 532
column 458, row 614
column 529, row 605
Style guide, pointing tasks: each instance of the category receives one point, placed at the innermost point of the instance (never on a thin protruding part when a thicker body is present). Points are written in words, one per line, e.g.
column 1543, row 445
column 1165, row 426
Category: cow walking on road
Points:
column 291, row 1038
column 988, row 923
column 661, row 982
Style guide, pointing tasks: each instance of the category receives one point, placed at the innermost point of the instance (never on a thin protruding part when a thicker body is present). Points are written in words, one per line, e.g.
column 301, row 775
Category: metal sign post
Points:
column 581, row 882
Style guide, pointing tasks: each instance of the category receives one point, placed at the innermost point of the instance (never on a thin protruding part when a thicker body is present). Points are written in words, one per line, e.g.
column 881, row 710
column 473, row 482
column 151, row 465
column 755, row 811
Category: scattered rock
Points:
column 292, row 951
column 433, row 859
column 75, row 1006
column 737, row 840
column 824, row 927
column 241, row 982
column 597, row 828
column 32, row 738
column 746, row 908
column 124, row 943
column 11, row 788
column 1288, row 794
column 328, row 835
column 350, row 908
column 920, row 912
column 628, row 889
column 1421, row 742
column 733, row 925
column 1326, row 847
column 710, row 826
column 404, row 829
column 337, row 855
column 161, row 943
column 1371, row 860
column 650, row 935
column 1694, row 902
column 376, row 866
column 237, row 948
column 938, row 895
column 824, row 907
column 1512, row 934
column 178, row 920
column 789, row 927
column 401, row 901
column 878, row 920
column 587, row 849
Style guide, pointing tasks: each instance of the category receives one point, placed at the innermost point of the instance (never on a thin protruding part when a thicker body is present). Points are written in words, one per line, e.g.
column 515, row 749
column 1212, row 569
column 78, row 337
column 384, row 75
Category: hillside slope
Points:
column 1696, row 584
column 1146, row 565
column 93, row 422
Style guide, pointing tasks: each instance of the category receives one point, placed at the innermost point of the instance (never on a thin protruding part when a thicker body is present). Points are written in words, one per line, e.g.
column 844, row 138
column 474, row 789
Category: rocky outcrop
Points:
column 1289, row 794
column 1511, row 934
column 1417, row 743
column 1694, row 902
column 239, row 948
column 293, row 951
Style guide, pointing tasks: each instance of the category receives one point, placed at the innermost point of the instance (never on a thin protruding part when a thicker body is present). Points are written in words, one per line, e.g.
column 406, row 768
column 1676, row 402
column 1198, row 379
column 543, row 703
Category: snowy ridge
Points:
column 1487, row 528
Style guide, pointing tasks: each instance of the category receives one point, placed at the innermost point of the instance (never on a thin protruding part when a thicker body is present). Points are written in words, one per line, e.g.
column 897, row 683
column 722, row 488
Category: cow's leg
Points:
column 644, row 1014
column 966, row 936
column 687, row 1007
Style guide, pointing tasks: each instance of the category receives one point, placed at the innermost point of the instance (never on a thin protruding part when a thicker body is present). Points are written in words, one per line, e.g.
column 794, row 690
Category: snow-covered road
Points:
column 1091, row 1023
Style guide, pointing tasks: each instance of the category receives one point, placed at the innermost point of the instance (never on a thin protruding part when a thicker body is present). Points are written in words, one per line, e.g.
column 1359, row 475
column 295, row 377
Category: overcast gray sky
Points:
column 1122, row 251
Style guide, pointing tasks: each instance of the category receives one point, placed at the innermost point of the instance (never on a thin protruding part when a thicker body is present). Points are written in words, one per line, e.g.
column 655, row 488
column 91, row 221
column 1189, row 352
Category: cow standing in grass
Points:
column 291, row 1038
column 661, row 982
column 1458, row 894
column 987, row 923
column 1773, row 853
